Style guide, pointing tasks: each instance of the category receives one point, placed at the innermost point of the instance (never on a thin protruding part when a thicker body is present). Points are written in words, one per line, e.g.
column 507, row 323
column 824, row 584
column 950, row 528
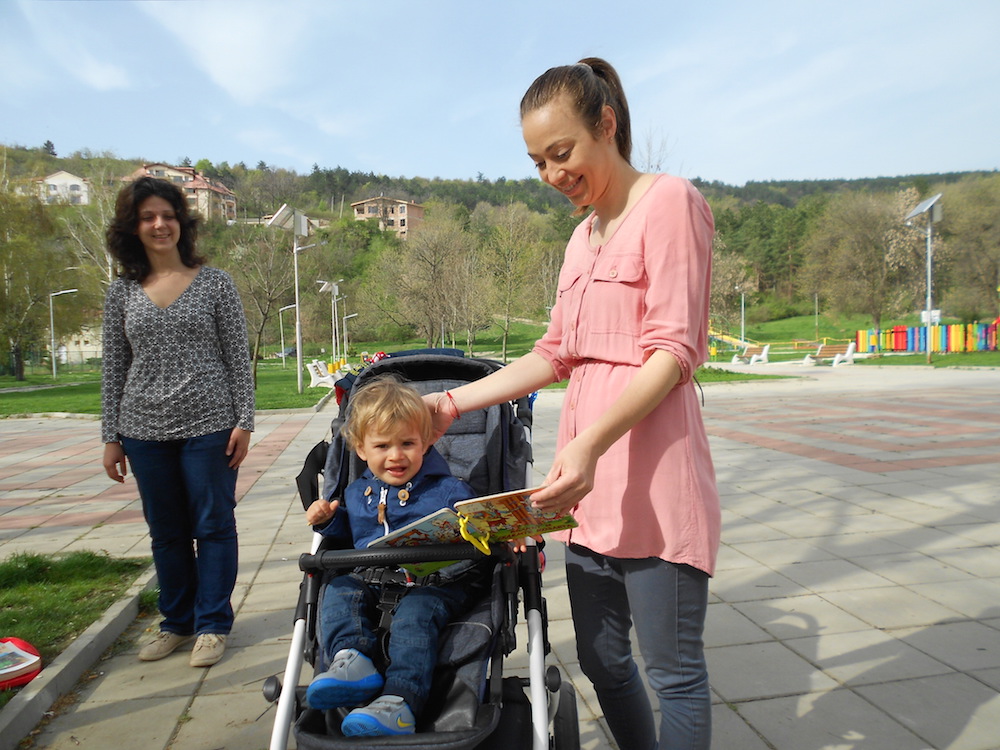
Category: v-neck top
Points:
column 646, row 288
column 178, row 371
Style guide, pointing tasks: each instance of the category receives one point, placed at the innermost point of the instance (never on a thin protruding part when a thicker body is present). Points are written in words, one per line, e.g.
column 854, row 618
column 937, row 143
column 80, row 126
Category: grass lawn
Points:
column 276, row 389
column 49, row 600
column 79, row 392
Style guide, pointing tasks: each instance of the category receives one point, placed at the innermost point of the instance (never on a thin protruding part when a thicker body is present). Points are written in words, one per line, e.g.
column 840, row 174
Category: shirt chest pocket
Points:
column 616, row 294
column 619, row 269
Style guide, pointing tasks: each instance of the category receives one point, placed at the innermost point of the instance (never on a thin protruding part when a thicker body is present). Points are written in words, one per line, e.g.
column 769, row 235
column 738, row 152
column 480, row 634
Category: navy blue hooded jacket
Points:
column 432, row 488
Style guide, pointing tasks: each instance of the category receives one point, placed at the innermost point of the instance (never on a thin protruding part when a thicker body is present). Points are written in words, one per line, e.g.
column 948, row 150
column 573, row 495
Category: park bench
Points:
column 838, row 354
column 319, row 377
column 752, row 355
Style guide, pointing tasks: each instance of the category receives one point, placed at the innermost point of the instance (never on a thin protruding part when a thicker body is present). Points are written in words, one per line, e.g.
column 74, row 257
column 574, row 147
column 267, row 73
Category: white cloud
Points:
column 59, row 37
column 251, row 50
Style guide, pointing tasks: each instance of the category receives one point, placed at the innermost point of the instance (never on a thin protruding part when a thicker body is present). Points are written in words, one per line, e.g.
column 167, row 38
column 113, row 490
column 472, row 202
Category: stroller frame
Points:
column 552, row 700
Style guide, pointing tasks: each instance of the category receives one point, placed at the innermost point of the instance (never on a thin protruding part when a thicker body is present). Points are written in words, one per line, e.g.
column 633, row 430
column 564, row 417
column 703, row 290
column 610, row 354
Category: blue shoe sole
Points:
column 361, row 725
column 330, row 693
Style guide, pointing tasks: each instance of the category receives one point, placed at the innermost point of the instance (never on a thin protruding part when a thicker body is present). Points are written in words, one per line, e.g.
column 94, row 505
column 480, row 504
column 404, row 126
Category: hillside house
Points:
column 393, row 214
column 63, row 187
column 210, row 198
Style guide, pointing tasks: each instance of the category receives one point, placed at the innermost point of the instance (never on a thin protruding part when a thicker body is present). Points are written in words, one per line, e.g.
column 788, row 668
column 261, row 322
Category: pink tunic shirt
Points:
column 647, row 288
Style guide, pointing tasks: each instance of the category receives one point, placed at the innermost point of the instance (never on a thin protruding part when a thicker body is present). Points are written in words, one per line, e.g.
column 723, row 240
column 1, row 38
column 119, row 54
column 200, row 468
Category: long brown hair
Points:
column 590, row 84
column 123, row 242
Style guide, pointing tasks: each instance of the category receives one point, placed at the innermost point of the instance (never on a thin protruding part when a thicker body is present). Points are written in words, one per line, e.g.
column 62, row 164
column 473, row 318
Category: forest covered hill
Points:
column 325, row 189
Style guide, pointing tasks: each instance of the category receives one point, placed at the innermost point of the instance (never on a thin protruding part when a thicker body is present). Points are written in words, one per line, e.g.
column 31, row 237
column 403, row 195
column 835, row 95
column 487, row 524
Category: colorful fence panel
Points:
column 973, row 337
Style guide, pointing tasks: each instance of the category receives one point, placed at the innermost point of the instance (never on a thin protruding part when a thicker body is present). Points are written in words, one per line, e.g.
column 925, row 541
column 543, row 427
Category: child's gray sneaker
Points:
column 351, row 680
column 387, row 714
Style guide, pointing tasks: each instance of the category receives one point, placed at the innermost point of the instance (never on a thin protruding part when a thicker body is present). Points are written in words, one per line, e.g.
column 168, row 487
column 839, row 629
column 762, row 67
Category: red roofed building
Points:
column 210, row 198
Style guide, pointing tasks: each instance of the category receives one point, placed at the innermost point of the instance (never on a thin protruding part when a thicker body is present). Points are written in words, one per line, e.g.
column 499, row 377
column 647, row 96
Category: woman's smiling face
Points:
column 566, row 153
column 158, row 228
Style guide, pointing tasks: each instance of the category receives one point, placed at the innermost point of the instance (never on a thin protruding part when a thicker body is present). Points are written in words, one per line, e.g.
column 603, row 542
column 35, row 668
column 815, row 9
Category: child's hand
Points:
column 521, row 545
column 321, row 511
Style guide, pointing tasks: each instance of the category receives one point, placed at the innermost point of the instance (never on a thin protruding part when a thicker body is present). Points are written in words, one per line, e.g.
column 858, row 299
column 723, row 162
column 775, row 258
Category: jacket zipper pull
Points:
column 383, row 496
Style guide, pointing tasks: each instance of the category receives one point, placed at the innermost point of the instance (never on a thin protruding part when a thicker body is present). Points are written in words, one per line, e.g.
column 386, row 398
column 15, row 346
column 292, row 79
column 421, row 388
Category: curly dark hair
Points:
column 123, row 242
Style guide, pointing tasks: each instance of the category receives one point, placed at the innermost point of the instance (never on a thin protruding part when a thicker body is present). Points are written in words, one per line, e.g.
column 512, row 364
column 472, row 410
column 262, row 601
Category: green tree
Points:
column 862, row 256
column 416, row 284
column 971, row 229
column 511, row 236
column 32, row 266
column 260, row 263
column 86, row 227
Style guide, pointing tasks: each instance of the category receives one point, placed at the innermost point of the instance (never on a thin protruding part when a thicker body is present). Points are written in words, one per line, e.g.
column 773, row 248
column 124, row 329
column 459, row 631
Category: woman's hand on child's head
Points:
column 321, row 511
column 442, row 412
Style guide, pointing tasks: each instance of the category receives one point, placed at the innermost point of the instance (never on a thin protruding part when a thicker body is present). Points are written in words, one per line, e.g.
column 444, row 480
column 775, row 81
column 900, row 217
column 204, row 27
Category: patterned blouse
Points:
column 175, row 372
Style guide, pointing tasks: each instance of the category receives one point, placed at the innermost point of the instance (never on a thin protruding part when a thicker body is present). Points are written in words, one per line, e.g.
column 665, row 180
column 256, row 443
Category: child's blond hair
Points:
column 381, row 406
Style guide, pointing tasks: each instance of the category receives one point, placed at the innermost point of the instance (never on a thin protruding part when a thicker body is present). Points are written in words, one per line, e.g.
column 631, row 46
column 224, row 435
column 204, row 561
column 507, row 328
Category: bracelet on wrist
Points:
column 453, row 410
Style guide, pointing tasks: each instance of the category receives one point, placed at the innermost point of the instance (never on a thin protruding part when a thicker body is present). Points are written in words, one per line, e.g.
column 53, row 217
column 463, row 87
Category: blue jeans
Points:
column 349, row 614
column 667, row 603
column 188, row 497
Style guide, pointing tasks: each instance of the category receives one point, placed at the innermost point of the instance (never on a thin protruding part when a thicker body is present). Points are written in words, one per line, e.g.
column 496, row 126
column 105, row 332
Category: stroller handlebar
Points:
column 337, row 559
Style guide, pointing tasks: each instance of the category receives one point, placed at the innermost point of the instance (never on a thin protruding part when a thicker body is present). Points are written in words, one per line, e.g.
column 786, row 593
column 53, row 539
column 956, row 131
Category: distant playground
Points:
column 944, row 339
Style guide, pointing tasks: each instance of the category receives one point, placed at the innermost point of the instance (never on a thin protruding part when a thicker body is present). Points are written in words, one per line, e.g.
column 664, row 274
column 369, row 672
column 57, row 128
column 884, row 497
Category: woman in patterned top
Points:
column 178, row 402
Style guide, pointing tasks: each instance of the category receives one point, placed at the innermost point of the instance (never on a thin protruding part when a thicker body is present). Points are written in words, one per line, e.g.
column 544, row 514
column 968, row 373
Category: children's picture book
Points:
column 492, row 518
column 15, row 661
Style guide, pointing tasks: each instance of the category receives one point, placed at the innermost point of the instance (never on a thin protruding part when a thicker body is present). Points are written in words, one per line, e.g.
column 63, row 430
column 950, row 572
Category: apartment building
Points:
column 210, row 198
column 62, row 187
column 393, row 214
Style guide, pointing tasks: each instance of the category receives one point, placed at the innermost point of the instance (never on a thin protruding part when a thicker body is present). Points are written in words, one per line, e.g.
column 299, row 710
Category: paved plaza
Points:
column 856, row 605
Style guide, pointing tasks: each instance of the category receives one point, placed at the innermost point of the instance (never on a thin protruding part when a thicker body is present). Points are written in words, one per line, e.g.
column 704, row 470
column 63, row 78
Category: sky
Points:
column 726, row 90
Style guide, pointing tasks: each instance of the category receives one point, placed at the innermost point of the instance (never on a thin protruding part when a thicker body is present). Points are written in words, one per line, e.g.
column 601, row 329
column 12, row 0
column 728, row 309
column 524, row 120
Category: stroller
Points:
column 472, row 705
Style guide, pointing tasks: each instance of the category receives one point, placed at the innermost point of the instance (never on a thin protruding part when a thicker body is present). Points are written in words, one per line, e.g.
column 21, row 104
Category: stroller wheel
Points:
column 272, row 689
column 566, row 725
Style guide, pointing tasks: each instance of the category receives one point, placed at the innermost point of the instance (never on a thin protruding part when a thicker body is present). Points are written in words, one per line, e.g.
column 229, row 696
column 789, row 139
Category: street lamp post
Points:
column 932, row 207
column 281, row 328
column 296, row 249
column 743, row 315
column 334, row 288
column 52, row 325
column 287, row 217
column 347, row 318
column 816, row 314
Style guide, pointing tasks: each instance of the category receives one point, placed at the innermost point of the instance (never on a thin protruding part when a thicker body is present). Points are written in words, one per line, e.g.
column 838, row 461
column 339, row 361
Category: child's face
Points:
column 395, row 456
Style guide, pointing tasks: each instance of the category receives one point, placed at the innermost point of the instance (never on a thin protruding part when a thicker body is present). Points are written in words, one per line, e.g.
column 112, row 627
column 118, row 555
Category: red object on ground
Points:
column 22, row 679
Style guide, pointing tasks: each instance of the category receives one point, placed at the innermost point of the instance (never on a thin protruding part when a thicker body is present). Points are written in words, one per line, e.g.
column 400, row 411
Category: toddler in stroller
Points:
column 389, row 428
column 471, row 704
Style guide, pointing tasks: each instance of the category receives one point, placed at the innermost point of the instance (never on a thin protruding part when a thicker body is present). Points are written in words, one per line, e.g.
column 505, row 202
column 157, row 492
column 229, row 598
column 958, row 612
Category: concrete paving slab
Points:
column 115, row 724
column 799, row 617
column 866, row 657
column 964, row 646
column 762, row 670
column 833, row 720
column 951, row 711
column 890, row 607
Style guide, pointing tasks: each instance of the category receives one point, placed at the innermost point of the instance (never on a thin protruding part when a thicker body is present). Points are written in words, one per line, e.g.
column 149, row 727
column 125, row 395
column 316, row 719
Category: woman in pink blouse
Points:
column 629, row 329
